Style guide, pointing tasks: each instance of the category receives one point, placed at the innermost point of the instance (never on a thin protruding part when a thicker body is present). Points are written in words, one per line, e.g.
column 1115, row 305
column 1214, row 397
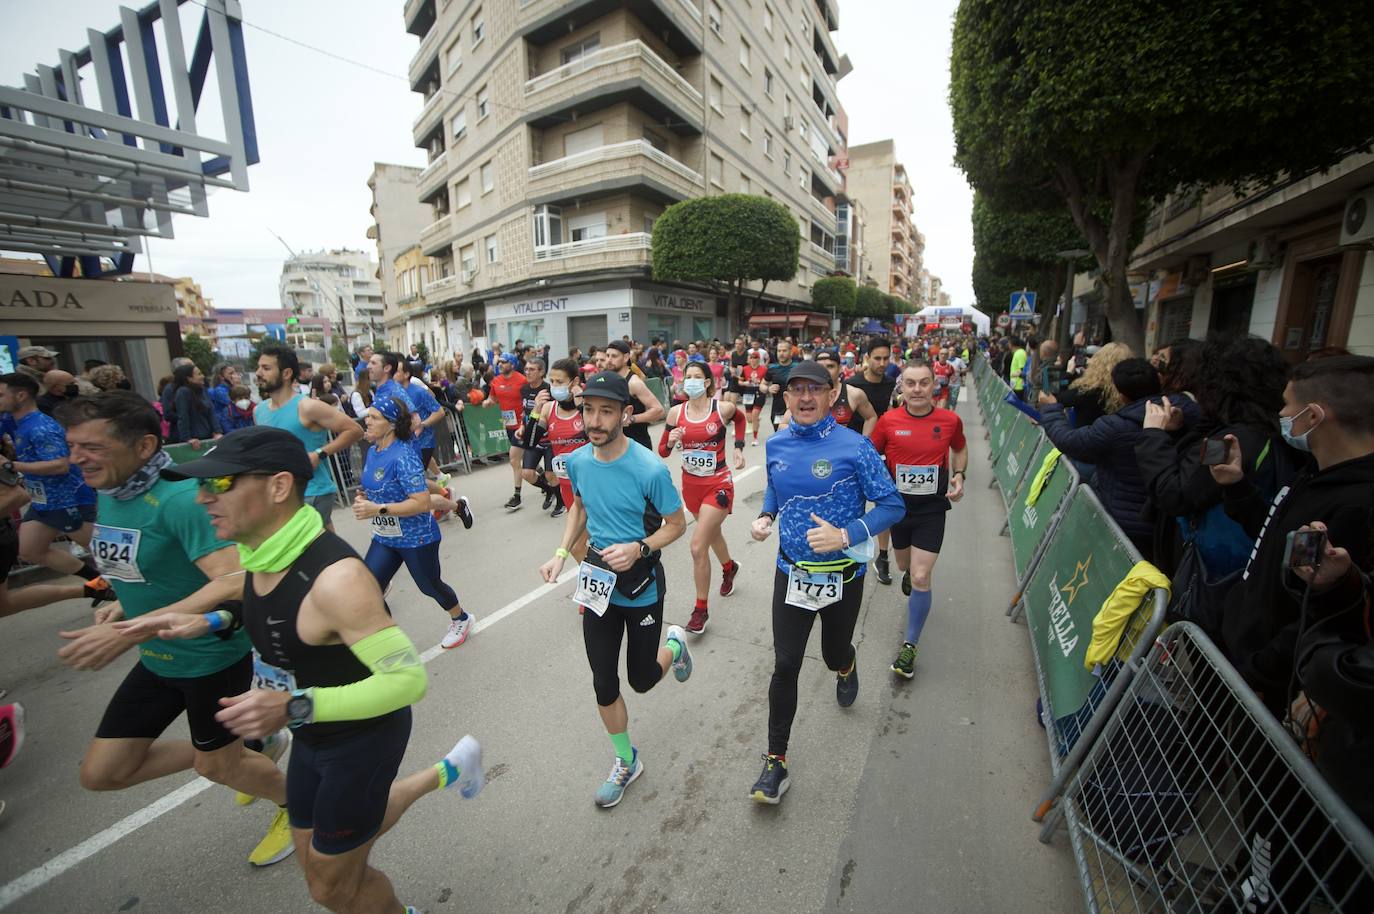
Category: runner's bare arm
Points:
column 864, row 407
column 573, row 528
column 318, row 414
column 653, row 410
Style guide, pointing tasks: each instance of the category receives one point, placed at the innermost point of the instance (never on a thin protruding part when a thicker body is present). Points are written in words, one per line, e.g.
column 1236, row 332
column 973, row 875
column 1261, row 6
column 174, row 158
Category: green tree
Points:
column 338, row 354
column 1111, row 104
column 727, row 240
column 834, row 293
column 869, row 302
column 197, row 349
column 1016, row 247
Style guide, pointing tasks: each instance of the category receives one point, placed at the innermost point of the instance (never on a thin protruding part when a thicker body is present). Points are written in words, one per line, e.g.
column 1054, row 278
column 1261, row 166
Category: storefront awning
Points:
column 801, row 319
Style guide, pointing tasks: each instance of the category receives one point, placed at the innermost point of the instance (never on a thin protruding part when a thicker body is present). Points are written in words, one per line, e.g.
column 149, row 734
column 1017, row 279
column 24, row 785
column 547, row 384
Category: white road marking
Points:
column 41, row 875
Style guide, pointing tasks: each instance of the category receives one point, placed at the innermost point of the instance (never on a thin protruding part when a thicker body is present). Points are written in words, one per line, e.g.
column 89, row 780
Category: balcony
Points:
column 610, row 252
column 425, row 63
column 826, row 214
column 436, row 237
column 629, row 72
column 431, row 118
column 677, row 22
column 419, row 16
column 440, row 289
column 606, row 168
column 431, row 180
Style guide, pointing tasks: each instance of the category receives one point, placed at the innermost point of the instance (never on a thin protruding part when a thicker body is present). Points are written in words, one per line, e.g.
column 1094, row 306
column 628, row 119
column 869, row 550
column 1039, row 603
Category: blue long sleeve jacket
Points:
column 831, row 471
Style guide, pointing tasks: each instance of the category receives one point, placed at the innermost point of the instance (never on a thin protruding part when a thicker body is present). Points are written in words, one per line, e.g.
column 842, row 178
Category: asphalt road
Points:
column 916, row 798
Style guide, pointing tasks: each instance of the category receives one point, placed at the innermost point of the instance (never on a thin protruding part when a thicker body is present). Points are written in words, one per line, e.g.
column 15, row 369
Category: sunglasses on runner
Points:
column 218, row 485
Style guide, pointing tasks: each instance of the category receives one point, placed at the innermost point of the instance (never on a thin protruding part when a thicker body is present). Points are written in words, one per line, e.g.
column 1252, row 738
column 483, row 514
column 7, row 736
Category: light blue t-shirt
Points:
column 625, row 499
column 288, row 418
column 390, row 477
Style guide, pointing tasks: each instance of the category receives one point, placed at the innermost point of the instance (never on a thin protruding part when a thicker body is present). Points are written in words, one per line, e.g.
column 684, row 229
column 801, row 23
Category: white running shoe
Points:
column 458, row 630
column 466, row 756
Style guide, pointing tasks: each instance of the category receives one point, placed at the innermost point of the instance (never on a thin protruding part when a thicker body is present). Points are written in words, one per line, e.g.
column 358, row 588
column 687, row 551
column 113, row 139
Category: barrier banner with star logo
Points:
column 1082, row 565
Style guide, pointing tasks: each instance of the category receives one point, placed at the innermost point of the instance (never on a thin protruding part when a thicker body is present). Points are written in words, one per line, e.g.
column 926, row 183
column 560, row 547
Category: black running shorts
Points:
column 923, row 529
column 145, row 704
column 338, row 786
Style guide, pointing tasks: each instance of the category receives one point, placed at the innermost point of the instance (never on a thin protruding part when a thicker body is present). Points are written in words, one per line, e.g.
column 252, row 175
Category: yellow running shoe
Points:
column 274, row 747
column 276, row 845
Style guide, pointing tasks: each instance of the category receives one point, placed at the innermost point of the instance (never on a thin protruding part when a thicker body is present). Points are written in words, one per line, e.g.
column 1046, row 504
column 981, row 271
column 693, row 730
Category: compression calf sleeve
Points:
column 917, row 611
column 397, row 680
column 621, row 742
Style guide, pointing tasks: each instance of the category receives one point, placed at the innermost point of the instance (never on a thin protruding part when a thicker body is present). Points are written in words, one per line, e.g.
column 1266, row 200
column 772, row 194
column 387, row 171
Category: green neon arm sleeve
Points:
column 397, row 680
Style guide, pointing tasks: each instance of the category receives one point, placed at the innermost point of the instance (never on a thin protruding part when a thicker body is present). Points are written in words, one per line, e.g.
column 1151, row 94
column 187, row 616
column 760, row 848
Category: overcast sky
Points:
column 322, row 123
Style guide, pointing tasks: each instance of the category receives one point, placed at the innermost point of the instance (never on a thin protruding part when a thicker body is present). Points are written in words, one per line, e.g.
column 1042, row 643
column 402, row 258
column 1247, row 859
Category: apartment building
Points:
column 1291, row 263
column 558, row 130
column 880, row 183
column 331, row 285
column 398, row 218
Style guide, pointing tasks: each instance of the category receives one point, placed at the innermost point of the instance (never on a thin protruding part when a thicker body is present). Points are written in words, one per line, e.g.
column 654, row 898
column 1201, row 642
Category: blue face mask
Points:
column 694, row 387
column 1286, row 429
column 560, row 393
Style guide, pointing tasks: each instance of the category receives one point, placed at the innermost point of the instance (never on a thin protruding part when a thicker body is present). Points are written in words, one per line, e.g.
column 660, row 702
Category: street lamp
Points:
column 1069, row 257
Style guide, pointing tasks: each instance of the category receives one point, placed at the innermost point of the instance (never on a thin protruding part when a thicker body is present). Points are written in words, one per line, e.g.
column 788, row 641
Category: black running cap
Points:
column 609, row 385
column 619, row 346
column 256, row 449
column 810, row 371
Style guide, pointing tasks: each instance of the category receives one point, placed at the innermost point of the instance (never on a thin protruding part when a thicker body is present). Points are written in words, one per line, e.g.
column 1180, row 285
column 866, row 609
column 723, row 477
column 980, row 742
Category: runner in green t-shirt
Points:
column 156, row 547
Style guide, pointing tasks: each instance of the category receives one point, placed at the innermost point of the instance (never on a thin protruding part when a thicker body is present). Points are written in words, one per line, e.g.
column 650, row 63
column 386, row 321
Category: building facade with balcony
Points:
column 338, row 285
column 398, row 218
column 1289, row 263
column 557, row 132
column 880, row 183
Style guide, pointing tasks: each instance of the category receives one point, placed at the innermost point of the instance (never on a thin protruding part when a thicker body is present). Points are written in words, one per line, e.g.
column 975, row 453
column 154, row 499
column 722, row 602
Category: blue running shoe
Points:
column 682, row 667
column 621, row 776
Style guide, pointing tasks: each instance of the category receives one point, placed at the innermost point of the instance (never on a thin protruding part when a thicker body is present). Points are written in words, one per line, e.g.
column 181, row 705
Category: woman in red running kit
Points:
column 708, row 489
column 560, row 426
column 751, row 380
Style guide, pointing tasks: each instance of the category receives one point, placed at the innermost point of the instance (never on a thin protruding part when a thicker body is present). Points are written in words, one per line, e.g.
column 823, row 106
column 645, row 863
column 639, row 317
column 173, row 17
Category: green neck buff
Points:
column 282, row 548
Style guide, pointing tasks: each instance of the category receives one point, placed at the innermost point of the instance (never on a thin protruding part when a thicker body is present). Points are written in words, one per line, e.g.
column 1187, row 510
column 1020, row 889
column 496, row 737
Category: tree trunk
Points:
column 1110, row 243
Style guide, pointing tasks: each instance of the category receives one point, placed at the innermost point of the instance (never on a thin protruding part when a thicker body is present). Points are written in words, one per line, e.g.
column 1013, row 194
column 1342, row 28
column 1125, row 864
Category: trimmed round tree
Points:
column 727, row 240
column 835, row 293
column 869, row 302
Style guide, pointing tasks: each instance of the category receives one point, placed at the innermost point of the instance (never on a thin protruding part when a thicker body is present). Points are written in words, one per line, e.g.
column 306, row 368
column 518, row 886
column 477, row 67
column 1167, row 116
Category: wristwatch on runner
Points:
column 300, row 708
column 382, row 509
column 644, row 550
column 961, row 473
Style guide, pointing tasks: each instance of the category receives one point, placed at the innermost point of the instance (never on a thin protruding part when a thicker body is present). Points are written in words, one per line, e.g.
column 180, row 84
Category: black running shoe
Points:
column 880, row 567
column 559, row 510
column 513, row 504
column 847, row 687
column 548, row 500
column 772, row 783
column 464, row 512
column 99, row 591
column 906, row 583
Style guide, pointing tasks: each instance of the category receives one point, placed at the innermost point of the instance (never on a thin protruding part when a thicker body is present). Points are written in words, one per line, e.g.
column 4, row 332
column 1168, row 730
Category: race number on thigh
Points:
column 594, row 587
column 267, row 676
column 38, row 492
column 814, row 591
column 917, row 480
column 507, row 417
column 749, row 399
column 386, row 525
column 560, row 466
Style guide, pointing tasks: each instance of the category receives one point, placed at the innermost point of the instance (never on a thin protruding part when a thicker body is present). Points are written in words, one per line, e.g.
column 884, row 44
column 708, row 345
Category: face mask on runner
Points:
column 694, row 387
column 244, row 403
column 561, row 394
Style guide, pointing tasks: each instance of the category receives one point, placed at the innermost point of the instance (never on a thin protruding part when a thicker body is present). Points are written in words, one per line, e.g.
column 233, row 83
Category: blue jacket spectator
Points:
column 1109, row 444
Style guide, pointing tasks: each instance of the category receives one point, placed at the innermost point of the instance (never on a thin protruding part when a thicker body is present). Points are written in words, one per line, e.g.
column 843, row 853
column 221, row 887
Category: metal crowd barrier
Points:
column 1194, row 798
column 1179, row 790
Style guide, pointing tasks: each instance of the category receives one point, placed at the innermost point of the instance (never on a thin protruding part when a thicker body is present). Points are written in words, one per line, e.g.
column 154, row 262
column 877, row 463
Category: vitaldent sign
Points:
column 606, row 300
column 48, row 299
column 667, row 300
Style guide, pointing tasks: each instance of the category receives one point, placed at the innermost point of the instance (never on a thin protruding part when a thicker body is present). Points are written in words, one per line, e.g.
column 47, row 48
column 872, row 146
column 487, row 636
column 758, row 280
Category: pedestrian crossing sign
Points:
column 1022, row 304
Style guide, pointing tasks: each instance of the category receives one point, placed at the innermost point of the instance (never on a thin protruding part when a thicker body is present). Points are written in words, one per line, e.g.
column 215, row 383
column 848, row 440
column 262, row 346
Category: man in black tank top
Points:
column 646, row 408
column 873, row 381
column 328, row 661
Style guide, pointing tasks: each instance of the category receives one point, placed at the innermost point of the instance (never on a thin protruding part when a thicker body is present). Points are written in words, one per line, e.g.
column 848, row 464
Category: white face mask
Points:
column 694, row 387
column 243, row 404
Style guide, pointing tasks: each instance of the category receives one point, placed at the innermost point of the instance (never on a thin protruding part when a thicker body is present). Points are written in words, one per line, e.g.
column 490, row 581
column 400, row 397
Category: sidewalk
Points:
column 942, row 815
